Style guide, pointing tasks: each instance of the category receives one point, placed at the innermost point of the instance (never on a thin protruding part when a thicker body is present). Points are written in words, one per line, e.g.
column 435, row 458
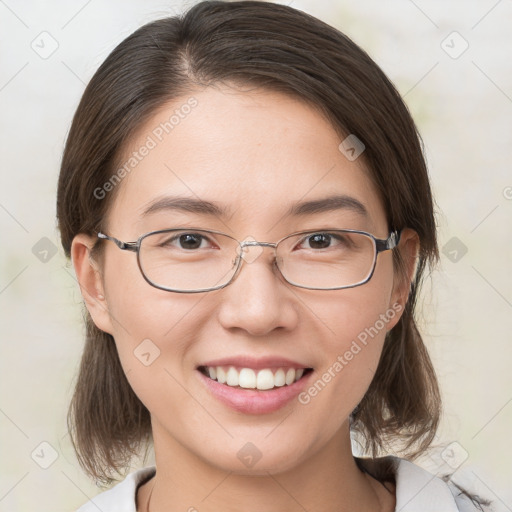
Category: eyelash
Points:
column 332, row 236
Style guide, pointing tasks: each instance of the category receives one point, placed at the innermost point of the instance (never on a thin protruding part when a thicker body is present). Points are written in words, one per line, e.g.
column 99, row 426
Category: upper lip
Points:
column 256, row 363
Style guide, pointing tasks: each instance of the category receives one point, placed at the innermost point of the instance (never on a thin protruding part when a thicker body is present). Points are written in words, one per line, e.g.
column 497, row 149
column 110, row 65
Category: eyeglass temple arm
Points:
column 125, row 246
column 382, row 245
column 391, row 242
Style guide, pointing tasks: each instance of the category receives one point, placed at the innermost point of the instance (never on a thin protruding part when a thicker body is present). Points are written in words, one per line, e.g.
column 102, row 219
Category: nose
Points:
column 258, row 300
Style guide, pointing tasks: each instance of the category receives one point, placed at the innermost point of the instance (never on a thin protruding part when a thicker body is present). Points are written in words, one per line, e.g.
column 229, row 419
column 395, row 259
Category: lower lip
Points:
column 252, row 401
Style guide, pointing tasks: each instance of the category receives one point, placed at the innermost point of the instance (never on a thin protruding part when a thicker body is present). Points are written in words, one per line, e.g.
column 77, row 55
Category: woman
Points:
column 270, row 181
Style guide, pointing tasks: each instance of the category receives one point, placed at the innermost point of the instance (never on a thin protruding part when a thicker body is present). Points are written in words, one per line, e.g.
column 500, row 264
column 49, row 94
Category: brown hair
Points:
column 281, row 49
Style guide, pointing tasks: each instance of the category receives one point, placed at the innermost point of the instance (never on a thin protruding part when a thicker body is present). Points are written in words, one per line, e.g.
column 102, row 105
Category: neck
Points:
column 327, row 481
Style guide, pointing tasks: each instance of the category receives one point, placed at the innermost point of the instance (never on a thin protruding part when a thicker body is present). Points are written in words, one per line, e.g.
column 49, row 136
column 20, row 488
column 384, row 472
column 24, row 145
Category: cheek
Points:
column 154, row 332
column 361, row 314
column 153, row 337
column 354, row 346
column 149, row 324
column 355, row 323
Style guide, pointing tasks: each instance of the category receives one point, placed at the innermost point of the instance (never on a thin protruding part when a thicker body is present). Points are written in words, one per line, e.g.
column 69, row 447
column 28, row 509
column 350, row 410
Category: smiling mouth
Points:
column 247, row 378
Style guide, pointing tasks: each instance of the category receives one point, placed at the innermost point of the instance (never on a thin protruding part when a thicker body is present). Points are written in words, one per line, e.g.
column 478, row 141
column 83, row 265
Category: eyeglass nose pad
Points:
column 250, row 252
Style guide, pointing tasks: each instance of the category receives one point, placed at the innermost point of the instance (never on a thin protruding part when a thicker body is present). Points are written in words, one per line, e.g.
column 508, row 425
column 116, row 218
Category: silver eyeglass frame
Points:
column 380, row 245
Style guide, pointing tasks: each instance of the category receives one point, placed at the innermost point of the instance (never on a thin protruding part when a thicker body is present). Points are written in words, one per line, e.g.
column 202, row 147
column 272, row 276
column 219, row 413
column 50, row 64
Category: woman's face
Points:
column 254, row 155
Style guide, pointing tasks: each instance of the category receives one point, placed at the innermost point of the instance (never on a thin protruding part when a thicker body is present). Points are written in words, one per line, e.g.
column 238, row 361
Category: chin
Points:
column 247, row 459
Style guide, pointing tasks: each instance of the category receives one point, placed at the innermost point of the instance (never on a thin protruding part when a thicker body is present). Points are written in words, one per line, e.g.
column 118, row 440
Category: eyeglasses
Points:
column 189, row 260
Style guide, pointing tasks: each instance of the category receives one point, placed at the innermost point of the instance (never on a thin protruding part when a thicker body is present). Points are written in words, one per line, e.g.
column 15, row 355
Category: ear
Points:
column 89, row 277
column 409, row 249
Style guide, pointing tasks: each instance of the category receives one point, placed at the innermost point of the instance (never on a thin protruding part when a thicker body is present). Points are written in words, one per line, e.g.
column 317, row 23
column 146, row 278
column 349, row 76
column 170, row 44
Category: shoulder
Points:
column 121, row 497
column 417, row 489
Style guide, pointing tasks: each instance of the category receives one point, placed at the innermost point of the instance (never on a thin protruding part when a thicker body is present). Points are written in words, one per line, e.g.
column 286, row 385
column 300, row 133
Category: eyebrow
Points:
column 299, row 209
column 328, row 204
column 186, row 204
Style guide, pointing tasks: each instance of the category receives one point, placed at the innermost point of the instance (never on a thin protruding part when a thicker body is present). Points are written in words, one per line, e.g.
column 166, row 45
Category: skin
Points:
column 256, row 152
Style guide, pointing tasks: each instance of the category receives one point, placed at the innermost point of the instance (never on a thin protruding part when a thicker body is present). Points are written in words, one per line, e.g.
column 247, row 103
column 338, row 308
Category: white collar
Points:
column 417, row 490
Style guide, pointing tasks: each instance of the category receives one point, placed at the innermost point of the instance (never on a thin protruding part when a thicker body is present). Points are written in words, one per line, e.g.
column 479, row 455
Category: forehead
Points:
column 250, row 156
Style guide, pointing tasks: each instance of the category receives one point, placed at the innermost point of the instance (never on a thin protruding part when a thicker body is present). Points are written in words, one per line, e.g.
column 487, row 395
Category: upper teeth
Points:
column 254, row 379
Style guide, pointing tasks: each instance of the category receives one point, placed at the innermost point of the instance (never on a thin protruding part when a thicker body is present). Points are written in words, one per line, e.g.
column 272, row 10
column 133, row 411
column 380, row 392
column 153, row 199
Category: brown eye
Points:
column 325, row 241
column 186, row 241
column 190, row 241
column 319, row 241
